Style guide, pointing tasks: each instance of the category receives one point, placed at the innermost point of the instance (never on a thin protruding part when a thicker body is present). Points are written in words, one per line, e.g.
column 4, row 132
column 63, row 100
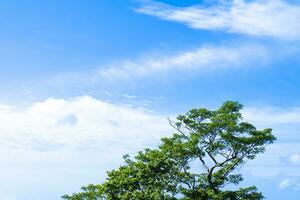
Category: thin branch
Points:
column 209, row 154
column 177, row 128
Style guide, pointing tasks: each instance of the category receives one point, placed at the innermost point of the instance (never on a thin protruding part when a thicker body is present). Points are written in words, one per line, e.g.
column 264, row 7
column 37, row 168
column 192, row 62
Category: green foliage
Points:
column 196, row 163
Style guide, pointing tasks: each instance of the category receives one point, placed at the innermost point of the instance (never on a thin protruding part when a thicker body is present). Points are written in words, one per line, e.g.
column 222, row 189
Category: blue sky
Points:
column 83, row 82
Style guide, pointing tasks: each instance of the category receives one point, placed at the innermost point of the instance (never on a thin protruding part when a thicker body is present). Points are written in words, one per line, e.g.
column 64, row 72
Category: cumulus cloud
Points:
column 199, row 60
column 74, row 122
column 54, row 146
column 64, row 131
column 277, row 19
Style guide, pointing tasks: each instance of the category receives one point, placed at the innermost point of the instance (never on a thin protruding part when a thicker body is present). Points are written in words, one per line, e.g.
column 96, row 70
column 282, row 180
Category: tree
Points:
column 196, row 163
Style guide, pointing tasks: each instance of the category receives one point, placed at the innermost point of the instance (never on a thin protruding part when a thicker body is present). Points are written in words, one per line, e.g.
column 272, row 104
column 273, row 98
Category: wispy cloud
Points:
column 277, row 19
column 272, row 115
column 295, row 158
column 202, row 59
column 281, row 158
column 290, row 183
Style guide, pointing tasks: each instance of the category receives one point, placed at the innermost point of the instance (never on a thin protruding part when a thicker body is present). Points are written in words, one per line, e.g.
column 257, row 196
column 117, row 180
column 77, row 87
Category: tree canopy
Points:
column 198, row 162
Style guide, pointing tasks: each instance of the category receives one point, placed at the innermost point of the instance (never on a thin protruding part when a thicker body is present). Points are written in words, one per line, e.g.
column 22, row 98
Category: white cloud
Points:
column 272, row 115
column 294, row 158
column 280, row 158
column 72, row 142
column 53, row 147
column 290, row 183
column 285, row 183
column 70, row 123
column 76, row 121
column 272, row 18
column 200, row 60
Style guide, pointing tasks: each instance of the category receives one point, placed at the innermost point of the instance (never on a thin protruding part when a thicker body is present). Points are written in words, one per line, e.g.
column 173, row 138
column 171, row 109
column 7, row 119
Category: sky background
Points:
column 84, row 82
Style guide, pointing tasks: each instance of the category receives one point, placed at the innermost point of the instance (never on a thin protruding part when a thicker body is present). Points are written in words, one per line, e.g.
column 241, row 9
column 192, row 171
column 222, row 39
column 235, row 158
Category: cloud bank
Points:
column 54, row 146
column 72, row 123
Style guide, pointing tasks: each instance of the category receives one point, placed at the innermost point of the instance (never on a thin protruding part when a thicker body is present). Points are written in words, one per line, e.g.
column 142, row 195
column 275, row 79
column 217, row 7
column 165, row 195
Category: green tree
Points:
column 197, row 163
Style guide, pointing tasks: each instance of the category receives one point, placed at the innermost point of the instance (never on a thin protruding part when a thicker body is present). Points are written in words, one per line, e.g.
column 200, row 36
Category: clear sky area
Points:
column 84, row 82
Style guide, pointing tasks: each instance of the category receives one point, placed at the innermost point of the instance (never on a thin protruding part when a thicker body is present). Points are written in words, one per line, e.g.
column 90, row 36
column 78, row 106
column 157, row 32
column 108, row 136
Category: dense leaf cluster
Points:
column 196, row 163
